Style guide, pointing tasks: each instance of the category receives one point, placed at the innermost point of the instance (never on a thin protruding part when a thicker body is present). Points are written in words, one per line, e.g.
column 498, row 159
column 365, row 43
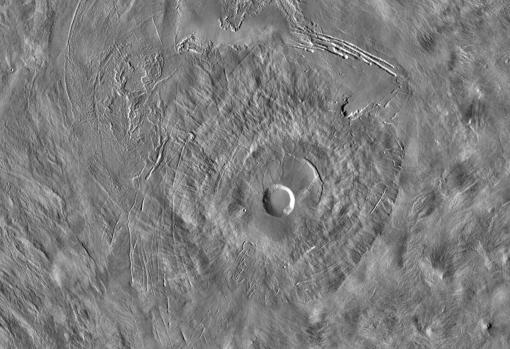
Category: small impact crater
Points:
column 278, row 200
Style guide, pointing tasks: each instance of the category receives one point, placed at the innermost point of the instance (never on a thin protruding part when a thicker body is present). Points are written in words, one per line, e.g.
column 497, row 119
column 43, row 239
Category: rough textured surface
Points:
column 138, row 140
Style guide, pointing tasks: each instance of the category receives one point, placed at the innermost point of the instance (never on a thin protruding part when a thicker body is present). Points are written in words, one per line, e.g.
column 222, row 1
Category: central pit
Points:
column 278, row 200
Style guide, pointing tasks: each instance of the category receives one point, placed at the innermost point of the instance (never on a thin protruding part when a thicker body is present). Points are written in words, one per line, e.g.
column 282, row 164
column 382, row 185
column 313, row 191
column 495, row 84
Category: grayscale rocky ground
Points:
column 254, row 174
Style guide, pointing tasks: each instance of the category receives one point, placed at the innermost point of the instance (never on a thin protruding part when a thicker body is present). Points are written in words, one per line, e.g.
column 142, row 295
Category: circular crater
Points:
column 278, row 200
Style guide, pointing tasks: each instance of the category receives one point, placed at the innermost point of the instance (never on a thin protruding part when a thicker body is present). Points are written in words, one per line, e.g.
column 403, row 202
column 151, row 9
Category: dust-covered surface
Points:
column 141, row 141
